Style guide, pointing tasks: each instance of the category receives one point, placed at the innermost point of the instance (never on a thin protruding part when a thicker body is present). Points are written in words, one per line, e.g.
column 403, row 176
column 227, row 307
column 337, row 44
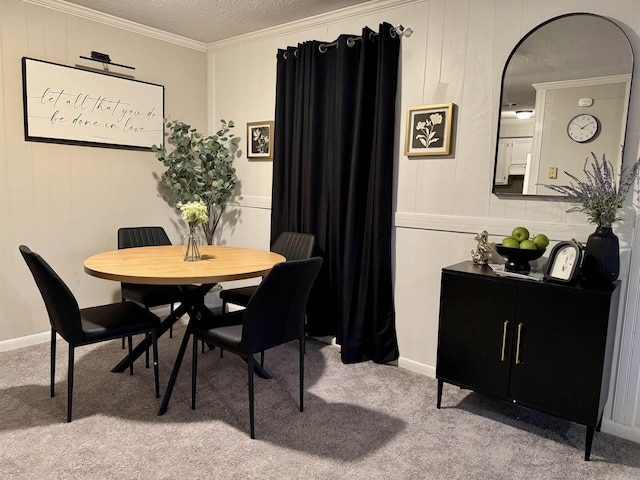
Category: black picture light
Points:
column 104, row 58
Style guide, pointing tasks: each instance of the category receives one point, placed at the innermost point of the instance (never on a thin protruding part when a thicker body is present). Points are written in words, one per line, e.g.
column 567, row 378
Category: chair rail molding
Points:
column 500, row 226
column 249, row 201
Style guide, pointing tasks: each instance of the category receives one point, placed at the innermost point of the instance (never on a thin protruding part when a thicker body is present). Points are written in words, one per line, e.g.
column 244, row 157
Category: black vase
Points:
column 601, row 262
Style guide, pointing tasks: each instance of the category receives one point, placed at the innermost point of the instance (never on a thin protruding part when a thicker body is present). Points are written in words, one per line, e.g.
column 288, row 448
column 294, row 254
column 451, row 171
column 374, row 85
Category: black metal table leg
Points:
column 196, row 313
column 174, row 374
column 193, row 298
column 145, row 344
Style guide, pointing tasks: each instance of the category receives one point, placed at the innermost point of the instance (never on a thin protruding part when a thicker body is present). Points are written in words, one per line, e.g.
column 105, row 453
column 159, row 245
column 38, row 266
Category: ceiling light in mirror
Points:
column 524, row 114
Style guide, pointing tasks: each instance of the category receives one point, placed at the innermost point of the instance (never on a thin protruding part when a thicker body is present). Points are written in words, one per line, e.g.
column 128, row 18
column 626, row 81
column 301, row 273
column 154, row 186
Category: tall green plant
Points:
column 200, row 168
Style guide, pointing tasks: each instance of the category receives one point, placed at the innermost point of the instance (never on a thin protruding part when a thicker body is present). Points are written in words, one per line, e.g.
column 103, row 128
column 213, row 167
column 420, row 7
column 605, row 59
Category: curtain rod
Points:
column 351, row 41
column 399, row 30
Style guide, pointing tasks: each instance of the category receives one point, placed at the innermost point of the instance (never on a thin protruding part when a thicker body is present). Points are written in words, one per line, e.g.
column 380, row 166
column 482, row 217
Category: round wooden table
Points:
column 165, row 265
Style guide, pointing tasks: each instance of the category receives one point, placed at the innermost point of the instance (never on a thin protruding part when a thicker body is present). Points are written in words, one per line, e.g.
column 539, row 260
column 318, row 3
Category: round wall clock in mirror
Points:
column 583, row 128
column 576, row 84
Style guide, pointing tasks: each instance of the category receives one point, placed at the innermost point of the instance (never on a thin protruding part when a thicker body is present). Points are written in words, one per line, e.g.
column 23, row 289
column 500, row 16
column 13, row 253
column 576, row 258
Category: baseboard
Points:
column 622, row 431
column 329, row 340
column 27, row 341
column 417, row 367
column 45, row 337
column 608, row 426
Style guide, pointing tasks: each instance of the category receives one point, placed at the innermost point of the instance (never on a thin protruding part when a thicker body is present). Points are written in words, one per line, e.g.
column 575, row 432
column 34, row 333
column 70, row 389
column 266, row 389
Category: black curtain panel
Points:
column 333, row 177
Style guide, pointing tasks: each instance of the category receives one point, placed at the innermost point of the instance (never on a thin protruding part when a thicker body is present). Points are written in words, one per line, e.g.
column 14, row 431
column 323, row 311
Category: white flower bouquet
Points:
column 194, row 213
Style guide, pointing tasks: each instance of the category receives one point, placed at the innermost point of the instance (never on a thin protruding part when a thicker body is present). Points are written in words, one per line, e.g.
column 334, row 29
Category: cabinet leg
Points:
column 440, row 382
column 588, row 442
column 599, row 426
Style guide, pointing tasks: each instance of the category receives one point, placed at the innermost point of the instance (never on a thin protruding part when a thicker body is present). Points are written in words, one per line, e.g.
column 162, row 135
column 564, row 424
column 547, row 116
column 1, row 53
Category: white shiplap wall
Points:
column 456, row 54
column 67, row 202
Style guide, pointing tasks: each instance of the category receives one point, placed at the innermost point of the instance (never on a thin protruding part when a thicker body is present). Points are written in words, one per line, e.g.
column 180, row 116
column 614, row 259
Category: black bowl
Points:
column 518, row 259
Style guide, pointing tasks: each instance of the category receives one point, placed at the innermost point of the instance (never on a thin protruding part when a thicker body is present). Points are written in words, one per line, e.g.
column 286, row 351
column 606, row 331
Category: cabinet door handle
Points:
column 518, row 362
column 504, row 338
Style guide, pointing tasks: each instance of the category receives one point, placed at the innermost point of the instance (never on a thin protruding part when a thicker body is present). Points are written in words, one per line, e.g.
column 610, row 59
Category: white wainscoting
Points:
column 417, row 281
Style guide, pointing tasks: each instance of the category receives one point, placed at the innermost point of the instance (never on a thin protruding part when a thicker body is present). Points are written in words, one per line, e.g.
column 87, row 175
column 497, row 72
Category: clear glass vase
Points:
column 192, row 242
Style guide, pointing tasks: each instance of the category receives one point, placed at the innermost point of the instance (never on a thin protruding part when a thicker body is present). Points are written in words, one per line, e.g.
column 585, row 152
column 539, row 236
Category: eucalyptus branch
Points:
column 200, row 168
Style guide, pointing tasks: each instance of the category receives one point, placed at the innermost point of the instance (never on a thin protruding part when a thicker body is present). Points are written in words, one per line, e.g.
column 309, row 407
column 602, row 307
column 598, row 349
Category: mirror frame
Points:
column 625, row 119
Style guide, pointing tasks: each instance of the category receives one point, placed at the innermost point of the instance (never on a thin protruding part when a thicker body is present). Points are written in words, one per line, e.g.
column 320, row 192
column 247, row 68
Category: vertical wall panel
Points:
column 456, row 55
column 66, row 202
column 413, row 73
column 474, row 172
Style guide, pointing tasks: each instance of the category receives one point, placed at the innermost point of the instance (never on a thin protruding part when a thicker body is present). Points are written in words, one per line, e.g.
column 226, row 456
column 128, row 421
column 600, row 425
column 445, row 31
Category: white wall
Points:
column 456, row 54
column 68, row 201
column 558, row 107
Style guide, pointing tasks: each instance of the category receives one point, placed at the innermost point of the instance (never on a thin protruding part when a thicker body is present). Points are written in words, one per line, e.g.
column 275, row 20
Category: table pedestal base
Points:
column 192, row 301
column 193, row 305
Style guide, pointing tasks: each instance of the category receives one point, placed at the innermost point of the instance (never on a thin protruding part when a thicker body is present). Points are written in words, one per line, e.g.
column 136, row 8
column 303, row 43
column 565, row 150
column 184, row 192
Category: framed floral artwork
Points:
column 260, row 140
column 428, row 130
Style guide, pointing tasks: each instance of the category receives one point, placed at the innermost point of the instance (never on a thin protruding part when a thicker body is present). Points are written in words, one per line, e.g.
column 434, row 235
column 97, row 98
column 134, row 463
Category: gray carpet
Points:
column 360, row 421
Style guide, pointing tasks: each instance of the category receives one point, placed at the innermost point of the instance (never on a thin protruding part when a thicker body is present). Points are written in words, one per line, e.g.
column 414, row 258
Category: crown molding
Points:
column 319, row 20
column 322, row 19
column 112, row 21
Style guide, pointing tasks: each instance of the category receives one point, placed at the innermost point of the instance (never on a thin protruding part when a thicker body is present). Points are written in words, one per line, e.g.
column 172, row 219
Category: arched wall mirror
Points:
column 565, row 93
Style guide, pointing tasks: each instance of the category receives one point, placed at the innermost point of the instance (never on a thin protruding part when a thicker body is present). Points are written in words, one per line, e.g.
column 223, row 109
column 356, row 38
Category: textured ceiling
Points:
column 211, row 20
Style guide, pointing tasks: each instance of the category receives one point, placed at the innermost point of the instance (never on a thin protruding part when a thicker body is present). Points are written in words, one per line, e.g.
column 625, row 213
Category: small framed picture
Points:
column 260, row 140
column 428, row 130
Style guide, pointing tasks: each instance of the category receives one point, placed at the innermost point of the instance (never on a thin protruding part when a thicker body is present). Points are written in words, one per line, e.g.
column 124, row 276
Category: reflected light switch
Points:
column 553, row 172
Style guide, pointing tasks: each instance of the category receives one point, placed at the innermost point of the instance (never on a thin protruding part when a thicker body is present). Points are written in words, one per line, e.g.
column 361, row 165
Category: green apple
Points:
column 541, row 241
column 520, row 234
column 528, row 245
column 510, row 242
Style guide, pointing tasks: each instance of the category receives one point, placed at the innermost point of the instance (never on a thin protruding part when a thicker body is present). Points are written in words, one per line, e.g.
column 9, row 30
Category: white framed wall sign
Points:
column 65, row 104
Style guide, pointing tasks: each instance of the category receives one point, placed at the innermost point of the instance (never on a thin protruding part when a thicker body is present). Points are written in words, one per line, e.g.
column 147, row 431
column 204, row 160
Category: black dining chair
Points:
column 147, row 295
column 291, row 245
column 274, row 315
column 85, row 326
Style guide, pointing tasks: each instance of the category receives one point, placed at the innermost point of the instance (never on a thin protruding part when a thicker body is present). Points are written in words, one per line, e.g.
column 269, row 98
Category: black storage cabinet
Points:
column 546, row 346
